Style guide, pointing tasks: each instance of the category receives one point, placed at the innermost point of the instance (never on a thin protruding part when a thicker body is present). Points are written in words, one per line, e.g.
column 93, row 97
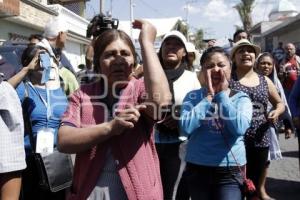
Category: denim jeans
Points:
column 214, row 183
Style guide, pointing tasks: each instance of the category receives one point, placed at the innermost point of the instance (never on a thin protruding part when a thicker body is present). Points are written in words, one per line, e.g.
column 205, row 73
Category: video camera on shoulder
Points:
column 101, row 23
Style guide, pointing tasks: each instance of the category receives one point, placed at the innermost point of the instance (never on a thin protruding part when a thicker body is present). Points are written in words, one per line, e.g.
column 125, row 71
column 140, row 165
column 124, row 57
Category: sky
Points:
column 217, row 18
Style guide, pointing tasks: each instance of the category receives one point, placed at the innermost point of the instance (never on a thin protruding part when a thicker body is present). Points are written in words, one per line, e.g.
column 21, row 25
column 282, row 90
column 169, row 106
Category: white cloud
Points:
column 218, row 10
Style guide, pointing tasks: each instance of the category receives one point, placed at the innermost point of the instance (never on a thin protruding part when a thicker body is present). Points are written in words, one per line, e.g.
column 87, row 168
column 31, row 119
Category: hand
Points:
column 126, row 119
column 214, row 86
column 34, row 64
column 148, row 31
column 273, row 116
column 223, row 84
column 209, row 84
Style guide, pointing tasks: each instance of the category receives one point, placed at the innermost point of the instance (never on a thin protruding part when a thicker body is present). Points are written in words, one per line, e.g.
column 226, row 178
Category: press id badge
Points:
column 45, row 141
column 52, row 75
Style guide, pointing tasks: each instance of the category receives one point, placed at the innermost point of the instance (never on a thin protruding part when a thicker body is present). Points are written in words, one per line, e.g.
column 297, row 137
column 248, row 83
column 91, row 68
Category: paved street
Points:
column 283, row 181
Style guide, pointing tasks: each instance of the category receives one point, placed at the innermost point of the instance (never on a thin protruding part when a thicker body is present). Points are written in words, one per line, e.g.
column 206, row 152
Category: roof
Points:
column 283, row 6
column 287, row 23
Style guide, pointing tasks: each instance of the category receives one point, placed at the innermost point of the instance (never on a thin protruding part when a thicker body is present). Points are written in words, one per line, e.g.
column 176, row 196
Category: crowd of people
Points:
column 174, row 126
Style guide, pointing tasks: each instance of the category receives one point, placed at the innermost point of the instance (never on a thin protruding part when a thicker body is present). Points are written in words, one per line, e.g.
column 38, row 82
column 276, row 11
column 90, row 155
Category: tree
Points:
column 181, row 26
column 244, row 9
column 199, row 44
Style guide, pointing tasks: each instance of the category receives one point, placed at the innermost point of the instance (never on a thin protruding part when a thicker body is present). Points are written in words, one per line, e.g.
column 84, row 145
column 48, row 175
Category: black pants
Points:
column 169, row 166
column 182, row 192
column 257, row 160
column 30, row 188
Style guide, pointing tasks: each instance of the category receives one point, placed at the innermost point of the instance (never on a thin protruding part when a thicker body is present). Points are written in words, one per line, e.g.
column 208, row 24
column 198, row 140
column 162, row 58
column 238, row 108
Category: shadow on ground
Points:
column 292, row 154
column 283, row 189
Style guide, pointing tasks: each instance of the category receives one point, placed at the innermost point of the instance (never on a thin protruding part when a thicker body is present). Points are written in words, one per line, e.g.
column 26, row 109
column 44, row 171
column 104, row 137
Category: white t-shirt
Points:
column 12, row 151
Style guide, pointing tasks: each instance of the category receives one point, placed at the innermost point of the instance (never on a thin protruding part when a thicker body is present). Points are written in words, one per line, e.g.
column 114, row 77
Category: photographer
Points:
column 97, row 26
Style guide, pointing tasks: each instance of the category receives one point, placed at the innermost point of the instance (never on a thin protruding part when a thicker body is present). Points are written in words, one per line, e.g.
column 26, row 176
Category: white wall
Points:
column 73, row 51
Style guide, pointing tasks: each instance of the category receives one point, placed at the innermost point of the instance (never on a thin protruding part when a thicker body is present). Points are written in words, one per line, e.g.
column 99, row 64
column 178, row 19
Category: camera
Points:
column 45, row 60
column 101, row 23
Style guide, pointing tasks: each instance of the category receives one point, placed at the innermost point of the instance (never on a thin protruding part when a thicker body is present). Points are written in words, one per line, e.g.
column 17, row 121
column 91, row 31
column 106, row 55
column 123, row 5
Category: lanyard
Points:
column 45, row 102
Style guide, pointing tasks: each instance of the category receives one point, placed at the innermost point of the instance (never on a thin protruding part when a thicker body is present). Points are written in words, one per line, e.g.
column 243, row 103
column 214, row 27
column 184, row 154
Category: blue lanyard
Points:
column 45, row 102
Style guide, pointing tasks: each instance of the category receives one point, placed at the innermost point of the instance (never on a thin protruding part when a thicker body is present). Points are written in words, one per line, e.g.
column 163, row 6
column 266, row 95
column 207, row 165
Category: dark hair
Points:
column 238, row 32
column 211, row 51
column 105, row 39
column 35, row 36
column 28, row 54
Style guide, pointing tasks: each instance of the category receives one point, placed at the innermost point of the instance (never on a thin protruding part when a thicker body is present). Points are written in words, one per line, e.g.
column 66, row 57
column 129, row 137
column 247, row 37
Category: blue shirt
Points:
column 211, row 137
column 294, row 99
column 38, row 109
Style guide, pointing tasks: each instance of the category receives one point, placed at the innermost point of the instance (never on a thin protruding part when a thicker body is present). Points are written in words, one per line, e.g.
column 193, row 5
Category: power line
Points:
column 152, row 8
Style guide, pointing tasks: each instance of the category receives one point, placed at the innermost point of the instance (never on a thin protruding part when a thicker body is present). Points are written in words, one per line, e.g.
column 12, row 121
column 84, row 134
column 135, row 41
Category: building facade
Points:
column 21, row 18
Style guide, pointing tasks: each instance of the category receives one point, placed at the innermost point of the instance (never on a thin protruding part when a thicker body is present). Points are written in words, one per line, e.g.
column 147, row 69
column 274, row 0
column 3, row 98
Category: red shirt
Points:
column 291, row 73
column 134, row 150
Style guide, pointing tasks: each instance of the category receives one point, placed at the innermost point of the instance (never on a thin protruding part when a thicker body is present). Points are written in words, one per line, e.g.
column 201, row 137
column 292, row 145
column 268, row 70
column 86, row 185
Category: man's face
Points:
column 290, row 50
column 242, row 35
column 61, row 40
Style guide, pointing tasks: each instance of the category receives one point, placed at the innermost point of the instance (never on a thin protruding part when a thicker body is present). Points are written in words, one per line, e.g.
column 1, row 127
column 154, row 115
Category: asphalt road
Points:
column 283, row 181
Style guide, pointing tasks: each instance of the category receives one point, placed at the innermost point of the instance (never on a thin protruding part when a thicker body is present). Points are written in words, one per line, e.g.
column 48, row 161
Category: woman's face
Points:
column 191, row 57
column 245, row 57
column 173, row 52
column 215, row 63
column 116, row 62
column 265, row 65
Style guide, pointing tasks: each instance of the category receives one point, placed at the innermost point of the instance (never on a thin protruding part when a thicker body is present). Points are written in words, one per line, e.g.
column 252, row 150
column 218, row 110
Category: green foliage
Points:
column 244, row 9
column 181, row 27
column 199, row 44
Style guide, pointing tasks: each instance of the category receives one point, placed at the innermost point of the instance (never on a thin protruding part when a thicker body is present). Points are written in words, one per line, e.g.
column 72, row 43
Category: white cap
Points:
column 190, row 47
column 54, row 26
column 176, row 34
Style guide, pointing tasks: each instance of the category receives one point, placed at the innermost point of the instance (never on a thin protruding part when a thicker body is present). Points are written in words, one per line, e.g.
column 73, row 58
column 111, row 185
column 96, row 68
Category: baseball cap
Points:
column 241, row 43
column 54, row 26
column 177, row 35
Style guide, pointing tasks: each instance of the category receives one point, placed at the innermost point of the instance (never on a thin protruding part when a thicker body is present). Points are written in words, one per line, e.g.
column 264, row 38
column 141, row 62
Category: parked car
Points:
column 10, row 59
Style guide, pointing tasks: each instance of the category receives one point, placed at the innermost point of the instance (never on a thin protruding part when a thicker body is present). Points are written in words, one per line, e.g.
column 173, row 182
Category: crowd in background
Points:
column 172, row 125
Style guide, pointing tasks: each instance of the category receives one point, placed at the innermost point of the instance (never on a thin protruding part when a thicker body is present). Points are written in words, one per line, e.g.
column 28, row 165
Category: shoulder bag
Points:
column 54, row 171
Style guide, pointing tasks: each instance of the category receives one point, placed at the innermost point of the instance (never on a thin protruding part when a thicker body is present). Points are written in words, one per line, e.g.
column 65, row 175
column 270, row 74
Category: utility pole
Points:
column 187, row 7
column 111, row 7
column 102, row 7
column 131, row 17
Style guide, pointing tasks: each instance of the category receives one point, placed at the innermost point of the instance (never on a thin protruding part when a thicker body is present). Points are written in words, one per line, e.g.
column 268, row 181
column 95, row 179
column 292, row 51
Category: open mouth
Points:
column 216, row 77
column 246, row 59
